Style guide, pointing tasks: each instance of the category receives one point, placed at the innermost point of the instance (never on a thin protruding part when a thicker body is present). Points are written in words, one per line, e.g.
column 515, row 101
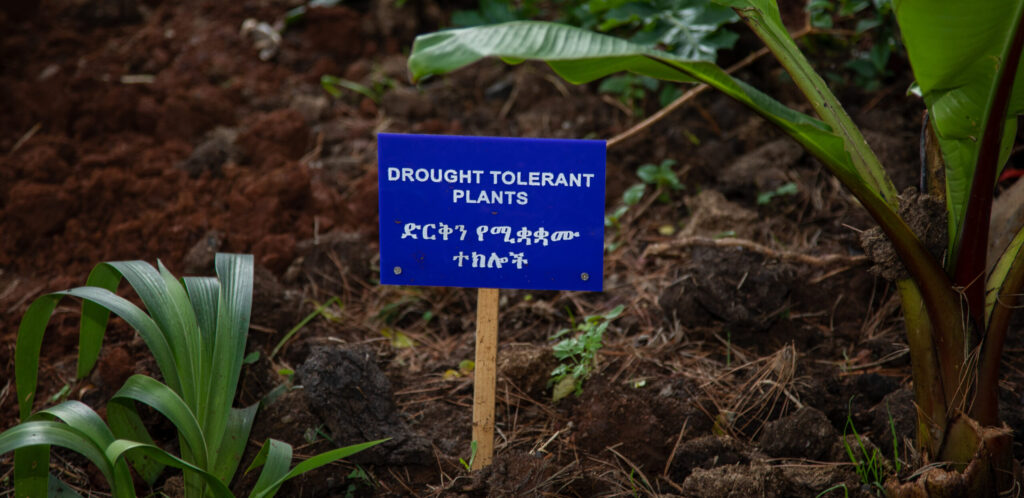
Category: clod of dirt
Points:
column 713, row 215
column 926, row 218
column 812, row 480
column 405, row 102
column 528, row 366
column 874, row 387
column 899, row 407
column 347, row 256
column 706, row 452
column 512, row 473
column 349, row 392
column 743, row 289
column 735, row 481
column 199, row 259
column 640, row 424
column 210, row 155
column 273, row 306
column 115, row 366
column 107, row 12
column 762, row 169
column 40, row 208
column 312, row 107
column 281, row 132
column 805, row 433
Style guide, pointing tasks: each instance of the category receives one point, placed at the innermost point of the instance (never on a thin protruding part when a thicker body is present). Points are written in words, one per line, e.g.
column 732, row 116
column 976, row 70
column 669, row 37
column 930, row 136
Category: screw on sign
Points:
column 491, row 213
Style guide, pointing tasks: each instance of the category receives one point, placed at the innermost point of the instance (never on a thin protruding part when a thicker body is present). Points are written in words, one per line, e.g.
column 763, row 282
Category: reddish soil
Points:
column 141, row 129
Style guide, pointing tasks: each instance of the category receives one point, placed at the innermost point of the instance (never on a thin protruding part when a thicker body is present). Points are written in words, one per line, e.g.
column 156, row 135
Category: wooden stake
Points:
column 485, row 376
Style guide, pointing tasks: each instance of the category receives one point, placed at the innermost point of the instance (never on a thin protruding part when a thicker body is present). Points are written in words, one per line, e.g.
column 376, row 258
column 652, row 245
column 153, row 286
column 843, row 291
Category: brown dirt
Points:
column 730, row 349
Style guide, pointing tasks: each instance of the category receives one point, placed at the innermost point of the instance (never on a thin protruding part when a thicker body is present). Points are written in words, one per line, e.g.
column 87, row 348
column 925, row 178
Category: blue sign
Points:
column 510, row 213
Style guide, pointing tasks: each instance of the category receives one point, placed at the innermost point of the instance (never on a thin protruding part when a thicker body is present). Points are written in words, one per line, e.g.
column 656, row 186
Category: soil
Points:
column 754, row 336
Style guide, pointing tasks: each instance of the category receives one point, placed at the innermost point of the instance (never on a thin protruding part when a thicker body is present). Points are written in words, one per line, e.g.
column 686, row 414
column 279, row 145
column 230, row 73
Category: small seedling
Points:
column 577, row 353
column 630, row 89
column 842, row 486
column 359, row 478
column 334, row 85
column 320, row 310
column 869, row 464
column 398, row 338
column 661, row 176
column 472, row 457
column 789, row 188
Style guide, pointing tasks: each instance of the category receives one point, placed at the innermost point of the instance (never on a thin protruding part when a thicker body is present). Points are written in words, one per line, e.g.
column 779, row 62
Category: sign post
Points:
column 485, row 375
column 491, row 213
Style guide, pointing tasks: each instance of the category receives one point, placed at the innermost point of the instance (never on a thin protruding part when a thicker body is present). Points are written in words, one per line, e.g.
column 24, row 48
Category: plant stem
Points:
column 779, row 41
column 986, row 403
column 928, row 392
column 970, row 261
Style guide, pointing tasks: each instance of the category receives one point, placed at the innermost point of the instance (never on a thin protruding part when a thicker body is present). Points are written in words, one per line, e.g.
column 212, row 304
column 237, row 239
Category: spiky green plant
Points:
column 196, row 330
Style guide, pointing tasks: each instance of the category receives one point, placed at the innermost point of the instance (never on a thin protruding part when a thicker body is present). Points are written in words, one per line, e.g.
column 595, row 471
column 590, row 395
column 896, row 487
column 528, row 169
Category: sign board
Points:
column 488, row 212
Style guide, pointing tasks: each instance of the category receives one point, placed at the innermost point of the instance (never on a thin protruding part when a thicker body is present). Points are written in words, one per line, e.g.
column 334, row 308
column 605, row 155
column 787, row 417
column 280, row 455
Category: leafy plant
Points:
column 196, row 329
column 788, row 188
column 965, row 57
column 577, row 353
column 875, row 18
column 662, row 177
column 472, row 457
column 333, row 86
column 868, row 463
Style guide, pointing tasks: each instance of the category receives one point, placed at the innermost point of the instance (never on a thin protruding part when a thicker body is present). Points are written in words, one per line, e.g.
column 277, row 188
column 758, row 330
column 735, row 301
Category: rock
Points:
column 806, row 433
column 348, row 391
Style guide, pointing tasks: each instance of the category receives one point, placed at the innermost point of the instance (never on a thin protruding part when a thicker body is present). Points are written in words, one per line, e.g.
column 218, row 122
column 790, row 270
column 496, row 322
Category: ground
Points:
column 753, row 339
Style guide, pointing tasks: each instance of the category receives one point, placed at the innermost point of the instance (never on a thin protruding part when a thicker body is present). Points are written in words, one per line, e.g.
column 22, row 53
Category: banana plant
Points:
column 196, row 329
column 965, row 57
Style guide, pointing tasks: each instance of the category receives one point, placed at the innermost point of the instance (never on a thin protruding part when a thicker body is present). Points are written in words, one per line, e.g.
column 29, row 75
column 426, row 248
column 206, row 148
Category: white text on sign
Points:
column 496, row 179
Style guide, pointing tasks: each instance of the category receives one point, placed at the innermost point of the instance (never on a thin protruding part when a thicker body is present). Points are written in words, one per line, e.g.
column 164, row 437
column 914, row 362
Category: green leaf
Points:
column 234, row 306
column 46, row 433
column 152, row 288
column 125, row 423
column 94, row 318
column 956, row 49
column 764, row 19
column 633, row 194
column 273, row 455
column 33, row 327
column 563, row 388
column 122, row 447
column 229, row 455
column 163, row 399
column 581, row 56
column 648, row 173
